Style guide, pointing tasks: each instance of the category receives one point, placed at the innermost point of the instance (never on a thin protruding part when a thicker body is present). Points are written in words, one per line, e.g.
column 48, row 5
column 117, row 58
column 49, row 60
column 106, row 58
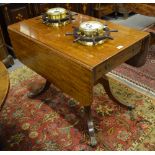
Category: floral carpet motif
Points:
column 31, row 124
column 143, row 76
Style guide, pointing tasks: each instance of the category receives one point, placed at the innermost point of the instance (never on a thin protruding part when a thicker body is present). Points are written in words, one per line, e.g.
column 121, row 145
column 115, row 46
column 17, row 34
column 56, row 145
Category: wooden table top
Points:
column 72, row 67
column 90, row 57
column 4, row 83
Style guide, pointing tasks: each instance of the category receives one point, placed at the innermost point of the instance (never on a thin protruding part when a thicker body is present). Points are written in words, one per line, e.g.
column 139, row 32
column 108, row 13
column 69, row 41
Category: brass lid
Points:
column 56, row 13
column 91, row 28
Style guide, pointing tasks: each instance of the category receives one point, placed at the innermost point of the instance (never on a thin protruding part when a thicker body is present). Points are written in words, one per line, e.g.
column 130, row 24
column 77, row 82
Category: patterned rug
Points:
column 30, row 124
column 143, row 76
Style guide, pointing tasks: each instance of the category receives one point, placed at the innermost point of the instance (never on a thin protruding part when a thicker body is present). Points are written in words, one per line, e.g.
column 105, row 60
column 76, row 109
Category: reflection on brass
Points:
column 58, row 24
column 91, row 33
column 90, row 43
column 56, row 13
column 87, row 28
column 57, row 17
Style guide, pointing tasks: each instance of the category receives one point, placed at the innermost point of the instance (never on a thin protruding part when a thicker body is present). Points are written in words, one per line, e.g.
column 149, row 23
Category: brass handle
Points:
column 19, row 16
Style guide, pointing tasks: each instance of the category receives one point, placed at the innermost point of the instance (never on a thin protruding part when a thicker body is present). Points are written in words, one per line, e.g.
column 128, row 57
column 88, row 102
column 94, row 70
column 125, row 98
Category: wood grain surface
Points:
column 55, row 38
column 73, row 67
column 4, row 83
column 147, row 9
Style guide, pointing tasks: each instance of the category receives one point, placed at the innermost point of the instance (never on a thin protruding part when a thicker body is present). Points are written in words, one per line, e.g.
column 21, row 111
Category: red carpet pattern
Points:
column 31, row 124
column 143, row 76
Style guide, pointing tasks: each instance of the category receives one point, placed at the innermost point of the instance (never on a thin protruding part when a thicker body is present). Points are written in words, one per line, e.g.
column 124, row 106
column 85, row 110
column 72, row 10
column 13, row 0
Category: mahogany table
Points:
column 72, row 67
column 4, row 83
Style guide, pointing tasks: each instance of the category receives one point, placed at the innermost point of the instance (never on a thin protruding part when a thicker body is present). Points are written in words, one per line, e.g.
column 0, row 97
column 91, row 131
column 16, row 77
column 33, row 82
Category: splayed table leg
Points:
column 90, row 125
column 106, row 86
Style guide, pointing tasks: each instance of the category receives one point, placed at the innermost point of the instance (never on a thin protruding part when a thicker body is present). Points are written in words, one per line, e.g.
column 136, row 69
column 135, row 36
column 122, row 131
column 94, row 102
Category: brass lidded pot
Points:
column 56, row 13
column 91, row 28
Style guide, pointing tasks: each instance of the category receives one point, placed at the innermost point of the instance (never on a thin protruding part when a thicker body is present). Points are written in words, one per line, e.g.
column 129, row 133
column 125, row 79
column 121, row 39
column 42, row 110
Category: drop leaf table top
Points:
column 72, row 67
column 4, row 83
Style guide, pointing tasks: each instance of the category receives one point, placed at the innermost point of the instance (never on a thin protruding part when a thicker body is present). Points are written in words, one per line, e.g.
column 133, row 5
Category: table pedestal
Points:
column 87, row 109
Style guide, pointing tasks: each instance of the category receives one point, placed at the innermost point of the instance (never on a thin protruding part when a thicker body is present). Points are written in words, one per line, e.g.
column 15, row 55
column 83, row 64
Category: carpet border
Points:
column 132, row 84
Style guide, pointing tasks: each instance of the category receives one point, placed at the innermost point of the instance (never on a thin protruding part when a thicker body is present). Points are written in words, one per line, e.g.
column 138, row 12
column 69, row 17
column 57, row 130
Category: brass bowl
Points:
column 57, row 24
column 56, row 13
column 91, row 28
